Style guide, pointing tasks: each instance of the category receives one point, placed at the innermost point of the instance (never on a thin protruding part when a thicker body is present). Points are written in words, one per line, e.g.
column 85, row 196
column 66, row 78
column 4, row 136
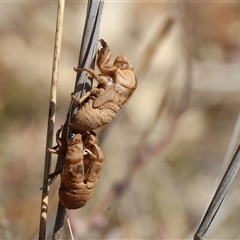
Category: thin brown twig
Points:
column 83, row 83
column 51, row 117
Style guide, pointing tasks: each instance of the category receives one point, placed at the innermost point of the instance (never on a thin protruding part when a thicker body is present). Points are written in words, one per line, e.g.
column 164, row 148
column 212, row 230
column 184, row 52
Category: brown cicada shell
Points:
column 116, row 84
column 81, row 170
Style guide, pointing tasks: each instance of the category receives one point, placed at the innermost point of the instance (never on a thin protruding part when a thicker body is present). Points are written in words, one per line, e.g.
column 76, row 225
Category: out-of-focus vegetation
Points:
column 167, row 197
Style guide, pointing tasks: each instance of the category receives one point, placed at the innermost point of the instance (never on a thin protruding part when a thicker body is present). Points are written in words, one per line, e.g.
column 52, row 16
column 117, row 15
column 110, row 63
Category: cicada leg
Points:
column 102, row 80
column 61, row 146
column 95, row 171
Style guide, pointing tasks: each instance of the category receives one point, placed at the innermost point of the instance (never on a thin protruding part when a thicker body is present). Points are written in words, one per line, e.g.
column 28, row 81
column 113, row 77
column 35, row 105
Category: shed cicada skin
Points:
column 81, row 170
column 116, row 84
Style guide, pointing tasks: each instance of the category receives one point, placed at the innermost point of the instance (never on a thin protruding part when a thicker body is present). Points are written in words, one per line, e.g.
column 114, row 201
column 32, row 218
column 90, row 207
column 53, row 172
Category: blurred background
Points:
column 167, row 150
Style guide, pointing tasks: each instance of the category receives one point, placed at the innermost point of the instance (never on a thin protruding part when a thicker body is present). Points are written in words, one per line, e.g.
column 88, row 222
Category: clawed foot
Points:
column 77, row 69
column 86, row 151
column 103, row 43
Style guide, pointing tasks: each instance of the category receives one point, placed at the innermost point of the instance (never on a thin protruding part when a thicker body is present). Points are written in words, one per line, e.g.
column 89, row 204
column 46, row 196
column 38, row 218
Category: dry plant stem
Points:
column 51, row 117
column 86, row 59
column 153, row 45
column 225, row 163
column 229, row 153
column 219, row 196
column 230, row 149
column 70, row 228
column 89, row 45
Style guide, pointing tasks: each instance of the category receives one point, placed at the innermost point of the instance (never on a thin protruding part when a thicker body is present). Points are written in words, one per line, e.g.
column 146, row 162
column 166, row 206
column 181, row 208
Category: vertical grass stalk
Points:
column 51, row 117
column 87, row 56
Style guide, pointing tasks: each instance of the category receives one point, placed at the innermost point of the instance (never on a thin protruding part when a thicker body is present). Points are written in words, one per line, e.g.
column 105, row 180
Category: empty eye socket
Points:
column 71, row 139
column 125, row 65
column 110, row 81
column 72, row 135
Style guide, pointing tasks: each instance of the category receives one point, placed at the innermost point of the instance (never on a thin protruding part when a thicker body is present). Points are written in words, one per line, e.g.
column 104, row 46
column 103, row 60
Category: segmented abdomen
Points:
column 88, row 118
column 73, row 193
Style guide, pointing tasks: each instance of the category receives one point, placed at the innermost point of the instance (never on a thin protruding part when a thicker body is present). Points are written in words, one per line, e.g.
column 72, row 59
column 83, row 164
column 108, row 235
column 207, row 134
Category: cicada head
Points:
column 90, row 139
column 123, row 63
column 74, row 139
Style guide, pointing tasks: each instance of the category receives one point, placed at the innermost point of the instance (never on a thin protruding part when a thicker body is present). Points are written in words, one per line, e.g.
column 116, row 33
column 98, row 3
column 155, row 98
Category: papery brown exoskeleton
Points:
column 116, row 84
column 81, row 169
